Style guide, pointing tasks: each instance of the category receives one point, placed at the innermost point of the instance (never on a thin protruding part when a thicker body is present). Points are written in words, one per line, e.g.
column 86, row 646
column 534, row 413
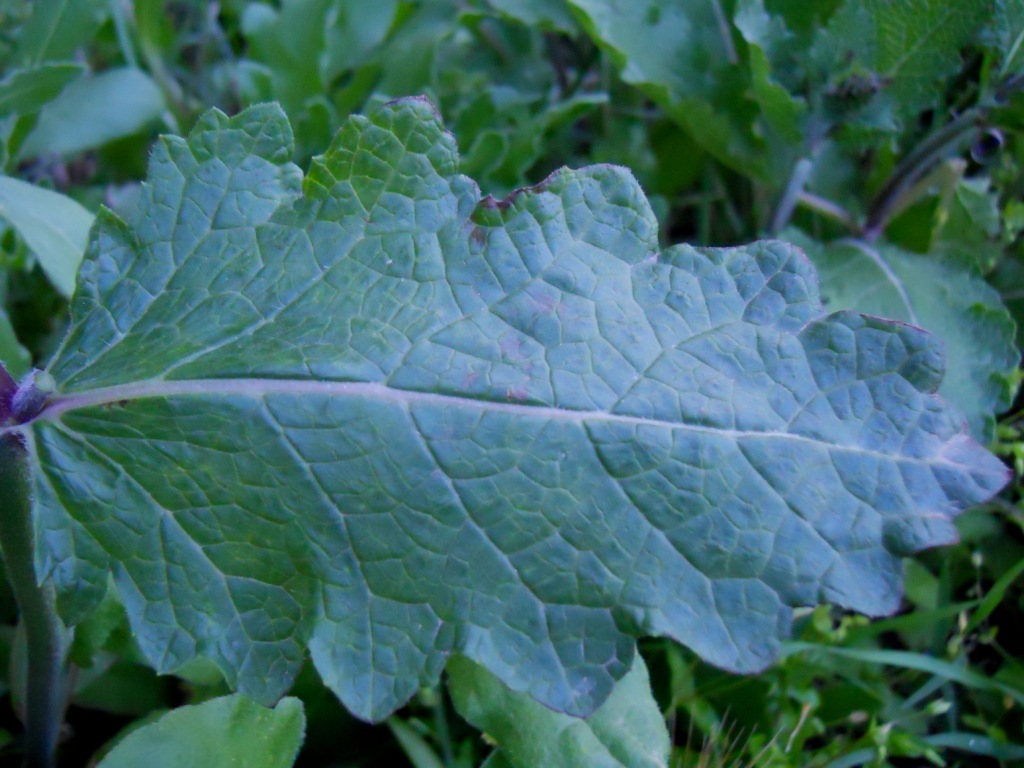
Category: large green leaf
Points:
column 381, row 416
column 221, row 733
column 627, row 731
column 945, row 296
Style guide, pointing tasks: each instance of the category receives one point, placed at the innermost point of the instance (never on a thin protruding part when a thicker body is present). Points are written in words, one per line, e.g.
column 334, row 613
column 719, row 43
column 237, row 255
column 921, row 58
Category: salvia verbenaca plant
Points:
column 370, row 416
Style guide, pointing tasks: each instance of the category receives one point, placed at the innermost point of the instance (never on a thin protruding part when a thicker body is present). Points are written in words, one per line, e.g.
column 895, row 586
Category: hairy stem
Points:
column 44, row 702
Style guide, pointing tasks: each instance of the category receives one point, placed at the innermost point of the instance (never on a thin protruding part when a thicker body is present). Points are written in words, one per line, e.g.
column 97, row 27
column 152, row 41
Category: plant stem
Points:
column 827, row 208
column 44, row 702
column 178, row 112
column 124, row 40
column 797, row 181
column 725, row 30
column 943, row 142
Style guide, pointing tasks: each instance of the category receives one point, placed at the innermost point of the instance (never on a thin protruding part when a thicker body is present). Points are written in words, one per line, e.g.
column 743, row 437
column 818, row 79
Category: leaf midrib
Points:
column 262, row 387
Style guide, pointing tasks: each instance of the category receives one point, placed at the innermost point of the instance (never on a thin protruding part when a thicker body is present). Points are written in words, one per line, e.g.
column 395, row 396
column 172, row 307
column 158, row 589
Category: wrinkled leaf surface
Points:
column 378, row 415
column 945, row 296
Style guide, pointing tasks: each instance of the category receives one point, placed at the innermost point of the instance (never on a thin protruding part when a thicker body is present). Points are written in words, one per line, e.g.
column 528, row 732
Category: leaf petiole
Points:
column 44, row 700
column 941, row 144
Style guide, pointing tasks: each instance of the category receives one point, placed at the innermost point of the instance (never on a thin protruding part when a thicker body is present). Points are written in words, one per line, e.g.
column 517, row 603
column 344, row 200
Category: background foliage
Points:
column 883, row 137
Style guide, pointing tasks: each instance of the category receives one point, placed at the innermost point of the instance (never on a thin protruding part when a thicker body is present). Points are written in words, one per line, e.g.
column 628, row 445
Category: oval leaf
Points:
column 627, row 731
column 94, row 111
column 221, row 733
column 52, row 225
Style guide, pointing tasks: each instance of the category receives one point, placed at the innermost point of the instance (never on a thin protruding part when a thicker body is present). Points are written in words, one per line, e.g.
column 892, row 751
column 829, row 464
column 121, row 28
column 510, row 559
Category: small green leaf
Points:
column 764, row 34
column 945, row 296
column 415, row 746
column 94, row 111
column 627, row 731
column 228, row 732
column 290, row 42
column 26, row 91
column 971, row 223
column 354, row 28
column 309, row 44
column 53, row 226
